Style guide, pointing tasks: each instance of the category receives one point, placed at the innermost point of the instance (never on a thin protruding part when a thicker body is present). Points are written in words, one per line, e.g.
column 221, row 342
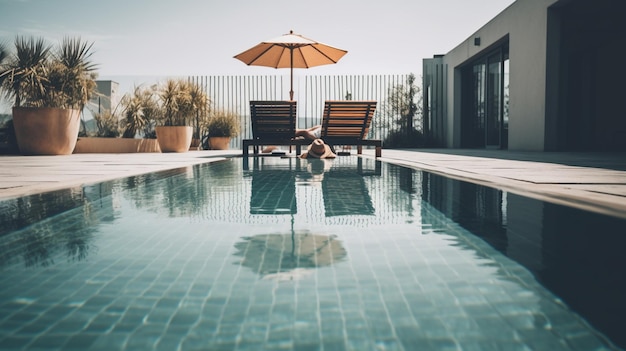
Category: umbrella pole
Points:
column 293, row 239
column 291, row 87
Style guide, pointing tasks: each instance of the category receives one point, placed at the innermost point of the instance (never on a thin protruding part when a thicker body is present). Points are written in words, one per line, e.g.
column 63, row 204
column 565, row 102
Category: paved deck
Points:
column 27, row 175
column 591, row 181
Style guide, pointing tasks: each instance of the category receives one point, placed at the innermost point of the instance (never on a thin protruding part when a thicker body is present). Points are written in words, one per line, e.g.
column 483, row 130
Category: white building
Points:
column 108, row 96
column 543, row 75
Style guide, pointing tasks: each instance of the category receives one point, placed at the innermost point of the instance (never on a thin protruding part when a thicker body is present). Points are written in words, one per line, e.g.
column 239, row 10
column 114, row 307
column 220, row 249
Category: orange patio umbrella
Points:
column 291, row 51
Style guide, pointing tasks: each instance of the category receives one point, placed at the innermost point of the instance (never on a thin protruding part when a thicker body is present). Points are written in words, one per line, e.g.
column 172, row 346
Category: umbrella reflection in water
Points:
column 289, row 256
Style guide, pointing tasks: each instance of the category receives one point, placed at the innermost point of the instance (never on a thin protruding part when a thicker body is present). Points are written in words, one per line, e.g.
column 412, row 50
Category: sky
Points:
column 200, row 37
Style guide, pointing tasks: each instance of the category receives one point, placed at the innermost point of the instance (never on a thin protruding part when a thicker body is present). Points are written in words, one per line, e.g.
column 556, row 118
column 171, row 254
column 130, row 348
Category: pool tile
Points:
column 111, row 341
column 49, row 342
column 80, row 342
column 184, row 318
column 15, row 342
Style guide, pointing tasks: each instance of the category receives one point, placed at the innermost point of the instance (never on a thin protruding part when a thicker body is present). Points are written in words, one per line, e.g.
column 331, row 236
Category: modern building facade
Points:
column 108, row 96
column 543, row 75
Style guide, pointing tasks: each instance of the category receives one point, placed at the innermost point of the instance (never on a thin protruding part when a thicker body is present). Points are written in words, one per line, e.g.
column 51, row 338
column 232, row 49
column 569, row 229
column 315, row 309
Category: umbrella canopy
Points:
column 291, row 51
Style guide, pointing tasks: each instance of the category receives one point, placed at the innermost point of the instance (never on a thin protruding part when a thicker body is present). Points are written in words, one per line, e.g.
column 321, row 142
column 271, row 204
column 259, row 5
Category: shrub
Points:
column 222, row 124
column 404, row 139
column 108, row 125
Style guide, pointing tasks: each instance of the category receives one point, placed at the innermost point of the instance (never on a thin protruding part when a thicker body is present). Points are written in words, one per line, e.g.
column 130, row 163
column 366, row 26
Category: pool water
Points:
column 289, row 254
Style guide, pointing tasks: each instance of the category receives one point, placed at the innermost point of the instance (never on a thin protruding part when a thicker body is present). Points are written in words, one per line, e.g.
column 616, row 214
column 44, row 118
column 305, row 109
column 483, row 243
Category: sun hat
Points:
column 318, row 149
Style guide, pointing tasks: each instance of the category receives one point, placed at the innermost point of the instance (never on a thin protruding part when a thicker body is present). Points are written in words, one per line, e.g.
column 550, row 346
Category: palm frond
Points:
column 75, row 53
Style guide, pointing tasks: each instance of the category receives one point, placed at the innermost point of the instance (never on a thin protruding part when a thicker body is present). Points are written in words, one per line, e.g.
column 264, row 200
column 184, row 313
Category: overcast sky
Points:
column 200, row 37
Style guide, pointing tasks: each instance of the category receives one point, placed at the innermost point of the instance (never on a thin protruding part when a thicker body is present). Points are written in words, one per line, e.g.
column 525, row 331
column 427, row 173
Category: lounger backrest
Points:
column 273, row 119
column 347, row 119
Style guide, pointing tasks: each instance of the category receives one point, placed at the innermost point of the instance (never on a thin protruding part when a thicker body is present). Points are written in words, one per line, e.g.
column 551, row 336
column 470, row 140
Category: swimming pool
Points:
column 288, row 254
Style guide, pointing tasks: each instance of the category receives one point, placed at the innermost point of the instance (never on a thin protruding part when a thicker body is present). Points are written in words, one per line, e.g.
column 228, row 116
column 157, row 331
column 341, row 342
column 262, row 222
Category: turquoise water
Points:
column 289, row 254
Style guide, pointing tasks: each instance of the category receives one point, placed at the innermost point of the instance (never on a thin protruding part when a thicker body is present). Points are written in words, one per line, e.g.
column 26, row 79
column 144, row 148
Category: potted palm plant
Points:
column 201, row 107
column 182, row 104
column 221, row 126
column 140, row 111
column 135, row 124
column 50, row 87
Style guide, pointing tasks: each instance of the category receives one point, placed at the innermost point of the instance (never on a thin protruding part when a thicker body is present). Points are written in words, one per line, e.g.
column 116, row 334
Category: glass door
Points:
column 480, row 107
column 493, row 119
column 485, row 115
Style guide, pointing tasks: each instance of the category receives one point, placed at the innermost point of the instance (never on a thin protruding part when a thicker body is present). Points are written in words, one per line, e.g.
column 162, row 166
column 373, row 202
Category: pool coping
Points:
column 600, row 189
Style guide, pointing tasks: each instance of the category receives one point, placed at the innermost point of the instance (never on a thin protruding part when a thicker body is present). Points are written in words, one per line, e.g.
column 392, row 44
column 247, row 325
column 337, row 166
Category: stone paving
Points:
column 591, row 181
column 26, row 175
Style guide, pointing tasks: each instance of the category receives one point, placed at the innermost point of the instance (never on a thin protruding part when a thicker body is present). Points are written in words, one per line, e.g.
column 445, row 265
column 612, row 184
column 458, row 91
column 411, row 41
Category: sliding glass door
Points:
column 485, row 110
column 493, row 122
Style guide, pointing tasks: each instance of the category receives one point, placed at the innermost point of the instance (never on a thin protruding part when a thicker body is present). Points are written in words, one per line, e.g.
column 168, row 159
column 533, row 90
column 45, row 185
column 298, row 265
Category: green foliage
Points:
column 8, row 143
column 140, row 111
column 402, row 115
column 201, row 108
column 404, row 139
column 184, row 103
column 222, row 123
column 175, row 103
column 36, row 75
column 401, row 138
column 404, row 103
column 23, row 73
column 108, row 125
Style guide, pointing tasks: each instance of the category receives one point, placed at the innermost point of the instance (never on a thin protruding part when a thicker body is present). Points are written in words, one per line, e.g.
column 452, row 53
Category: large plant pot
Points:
column 219, row 143
column 98, row 145
column 46, row 131
column 174, row 138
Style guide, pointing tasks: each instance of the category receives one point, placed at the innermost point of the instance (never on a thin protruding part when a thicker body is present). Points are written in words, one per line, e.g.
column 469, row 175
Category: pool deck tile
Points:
column 590, row 181
column 587, row 180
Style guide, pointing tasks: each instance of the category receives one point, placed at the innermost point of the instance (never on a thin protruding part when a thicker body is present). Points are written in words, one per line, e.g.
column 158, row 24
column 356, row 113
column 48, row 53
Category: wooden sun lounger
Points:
column 273, row 123
column 347, row 123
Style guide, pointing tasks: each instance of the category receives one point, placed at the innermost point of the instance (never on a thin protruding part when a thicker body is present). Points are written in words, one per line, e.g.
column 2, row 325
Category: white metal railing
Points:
column 235, row 92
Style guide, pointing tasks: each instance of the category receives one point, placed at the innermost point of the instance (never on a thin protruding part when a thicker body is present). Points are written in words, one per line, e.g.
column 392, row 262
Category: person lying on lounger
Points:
column 312, row 133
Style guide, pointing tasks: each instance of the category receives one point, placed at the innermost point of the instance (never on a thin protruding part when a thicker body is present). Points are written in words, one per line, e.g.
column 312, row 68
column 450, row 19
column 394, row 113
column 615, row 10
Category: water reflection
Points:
column 273, row 187
column 340, row 184
column 21, row 212
column 578, row 255
column 315, row 171
column 287, row 256
column 38, row 229
column 175, row 193
column 345, row 193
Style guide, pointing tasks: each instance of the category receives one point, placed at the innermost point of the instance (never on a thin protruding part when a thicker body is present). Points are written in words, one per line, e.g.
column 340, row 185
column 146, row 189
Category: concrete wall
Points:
column 109, row 98
column 524, row 23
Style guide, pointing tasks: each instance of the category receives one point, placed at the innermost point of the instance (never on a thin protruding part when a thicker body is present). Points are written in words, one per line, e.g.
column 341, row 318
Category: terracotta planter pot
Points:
column 219, row 143
column 95, row 145
column 46, row 131
column 174, row 138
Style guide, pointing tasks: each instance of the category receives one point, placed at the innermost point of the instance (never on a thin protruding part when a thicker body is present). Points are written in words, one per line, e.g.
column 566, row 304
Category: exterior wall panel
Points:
column 524, row 25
